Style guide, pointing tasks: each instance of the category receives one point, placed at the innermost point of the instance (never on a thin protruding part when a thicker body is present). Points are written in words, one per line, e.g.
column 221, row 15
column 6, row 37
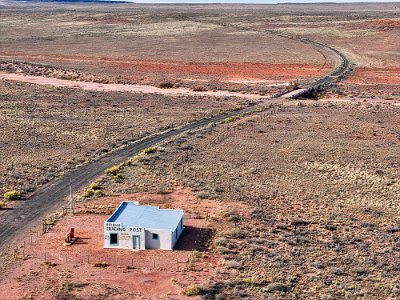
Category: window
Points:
column 154, row 236
column 113, row 238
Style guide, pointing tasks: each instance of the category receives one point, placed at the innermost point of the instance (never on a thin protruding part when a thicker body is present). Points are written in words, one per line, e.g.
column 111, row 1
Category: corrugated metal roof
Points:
column 130, row 214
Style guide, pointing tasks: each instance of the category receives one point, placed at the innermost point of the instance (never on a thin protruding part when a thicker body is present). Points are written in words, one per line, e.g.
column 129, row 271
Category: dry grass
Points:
column 47, row 130
column 323, row 182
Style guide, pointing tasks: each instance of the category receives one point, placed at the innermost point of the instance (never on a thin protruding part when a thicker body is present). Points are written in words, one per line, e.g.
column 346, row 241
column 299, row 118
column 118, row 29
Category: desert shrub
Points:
column 211, row 125
column 26, row 188
column 392, row 229
column 235, row 233
column 2, row 204
column 98, row 193
column 299, row 222
column 293, row 85
column 118, row 176
column 387, row 97
column 338, row 271
column 359, row 271
column 166, row 85
column 254, row 249
column 203, row 195
column 192, row 290
column 219, row 189
column 236, row 108
column 71, row 285
column 221, row 242
column 232, row 119
column 231, row 216
column 248, row 280
column 233, row 265
column 163, row 190
column 150, row 150
column 223, row 250
column 88, row 193
column 12, row 195
column 275, row 287
column 94, row 186
column 101, row 265
column 112, row 171
column 199, row 88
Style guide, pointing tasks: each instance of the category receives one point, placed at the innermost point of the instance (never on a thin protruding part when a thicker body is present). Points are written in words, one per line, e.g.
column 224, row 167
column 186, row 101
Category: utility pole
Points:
column 71, row 204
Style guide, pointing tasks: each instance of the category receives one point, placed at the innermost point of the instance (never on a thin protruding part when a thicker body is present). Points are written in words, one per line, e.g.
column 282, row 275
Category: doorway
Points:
column 136, row 241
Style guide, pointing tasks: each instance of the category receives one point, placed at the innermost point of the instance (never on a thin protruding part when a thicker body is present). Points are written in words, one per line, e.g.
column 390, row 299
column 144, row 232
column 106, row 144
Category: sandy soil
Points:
column 112, row 87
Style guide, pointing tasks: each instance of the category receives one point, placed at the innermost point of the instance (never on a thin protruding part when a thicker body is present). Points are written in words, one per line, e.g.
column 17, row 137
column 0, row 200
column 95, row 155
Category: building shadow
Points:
column 194, row 238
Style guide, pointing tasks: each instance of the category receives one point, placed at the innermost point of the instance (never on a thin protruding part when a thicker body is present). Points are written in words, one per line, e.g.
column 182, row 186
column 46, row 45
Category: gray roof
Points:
column 131, row 214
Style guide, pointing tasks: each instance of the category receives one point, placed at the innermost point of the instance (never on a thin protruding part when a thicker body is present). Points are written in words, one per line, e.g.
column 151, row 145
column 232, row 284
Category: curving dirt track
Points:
column 50, row 197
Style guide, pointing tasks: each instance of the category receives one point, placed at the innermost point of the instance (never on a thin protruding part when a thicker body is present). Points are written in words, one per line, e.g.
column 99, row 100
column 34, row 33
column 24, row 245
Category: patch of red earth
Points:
column 375, row 76
column 381, row 24
column 244, row 71
column 227, row 70
column 157, row 274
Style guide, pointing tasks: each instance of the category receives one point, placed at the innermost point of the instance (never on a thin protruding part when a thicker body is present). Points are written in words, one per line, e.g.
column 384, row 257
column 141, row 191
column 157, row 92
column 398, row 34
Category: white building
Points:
column 133, row 226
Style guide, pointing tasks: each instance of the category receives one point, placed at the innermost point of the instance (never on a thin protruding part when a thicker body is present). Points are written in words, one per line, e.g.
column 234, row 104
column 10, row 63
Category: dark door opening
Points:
column 113, row 238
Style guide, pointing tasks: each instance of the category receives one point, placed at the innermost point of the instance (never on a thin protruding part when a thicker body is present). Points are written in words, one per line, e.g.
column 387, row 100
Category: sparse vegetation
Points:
column 211, row 125
column 101, row 265
column 166, row 85
column 299, row 201
column 150, row 150
column 12, row 195
column 88, row 193
column 232, row 119
column 113, row 171
column 192, row 290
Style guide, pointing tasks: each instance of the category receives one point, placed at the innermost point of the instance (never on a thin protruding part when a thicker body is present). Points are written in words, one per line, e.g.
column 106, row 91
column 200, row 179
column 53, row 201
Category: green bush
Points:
column 236, row 108
column 88, row 193
column 150, row 150
column 232, row 119
column 12, row 195
column 94, row 186
column 98, row 193
column 112, row 171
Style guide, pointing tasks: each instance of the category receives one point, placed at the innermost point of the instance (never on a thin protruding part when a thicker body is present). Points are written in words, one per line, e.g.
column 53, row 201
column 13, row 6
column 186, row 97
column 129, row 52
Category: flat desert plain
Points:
column 298, row 199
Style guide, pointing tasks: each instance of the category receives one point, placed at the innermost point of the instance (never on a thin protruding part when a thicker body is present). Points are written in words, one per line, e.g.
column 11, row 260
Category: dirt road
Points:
column 50, row 197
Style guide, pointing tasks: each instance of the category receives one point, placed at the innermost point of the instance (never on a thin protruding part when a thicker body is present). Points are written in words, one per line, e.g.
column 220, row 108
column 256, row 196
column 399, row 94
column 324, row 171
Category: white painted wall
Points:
column 175, row 237
column 125, row 234
column 163, row 242
column 166, row 241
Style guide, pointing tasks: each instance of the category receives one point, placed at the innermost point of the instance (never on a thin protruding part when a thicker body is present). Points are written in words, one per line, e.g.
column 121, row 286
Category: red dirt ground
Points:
column 227, row 70
column 376, row 76
column 245, row 71
column 49, row 265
